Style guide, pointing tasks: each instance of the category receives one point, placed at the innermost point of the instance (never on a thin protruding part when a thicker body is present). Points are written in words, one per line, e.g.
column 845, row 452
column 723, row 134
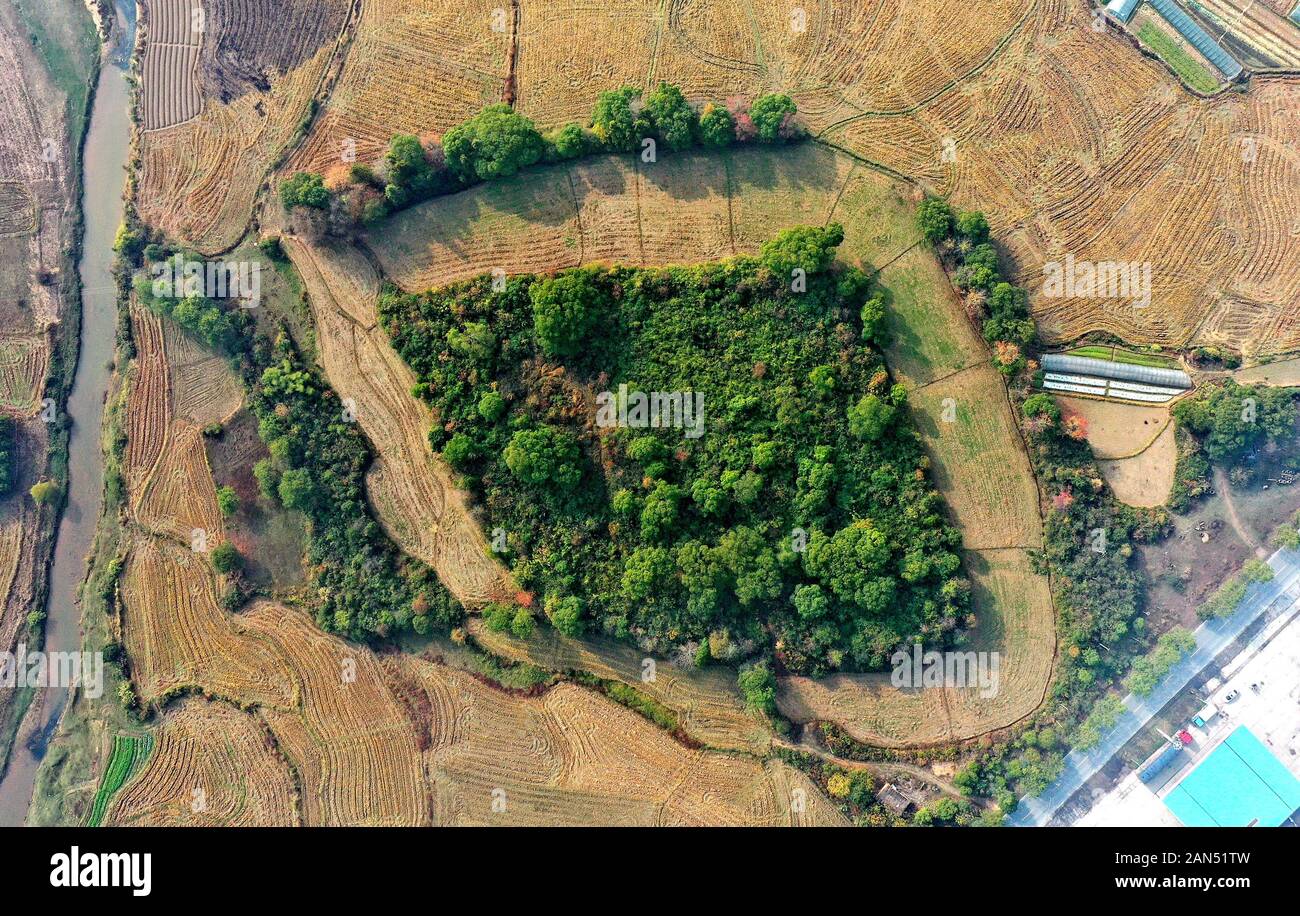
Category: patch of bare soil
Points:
column 1207, row 546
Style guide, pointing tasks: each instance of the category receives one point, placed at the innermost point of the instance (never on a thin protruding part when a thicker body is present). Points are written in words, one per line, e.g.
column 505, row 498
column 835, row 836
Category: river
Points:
column 103, row 178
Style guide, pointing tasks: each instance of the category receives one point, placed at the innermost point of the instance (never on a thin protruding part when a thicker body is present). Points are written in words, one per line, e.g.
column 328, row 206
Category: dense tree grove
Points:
column 366, row 586
column 785, row 503
column 221, row 328
column 498, row 142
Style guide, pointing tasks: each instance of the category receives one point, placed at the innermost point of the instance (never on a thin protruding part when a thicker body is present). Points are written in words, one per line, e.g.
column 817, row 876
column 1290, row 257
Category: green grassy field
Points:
column 1188, row 68
column 63, row 33
column 931, row 337
column 1115, row 354
column 129, row 755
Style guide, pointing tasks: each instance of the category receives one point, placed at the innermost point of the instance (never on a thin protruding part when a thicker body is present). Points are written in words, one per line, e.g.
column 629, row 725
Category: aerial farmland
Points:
column 755, row 414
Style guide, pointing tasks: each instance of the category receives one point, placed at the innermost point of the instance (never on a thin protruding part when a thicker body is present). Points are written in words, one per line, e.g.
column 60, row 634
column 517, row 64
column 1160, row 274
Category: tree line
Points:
column 498, row 142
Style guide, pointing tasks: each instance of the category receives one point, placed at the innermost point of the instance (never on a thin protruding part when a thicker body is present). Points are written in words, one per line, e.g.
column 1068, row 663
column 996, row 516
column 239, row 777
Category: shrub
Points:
column 772, row 115
column 45, row 492
column 225, row 558
column 227, row 501
column 675, row 121
column 935, row 219
column 305, row 189
column 614, row 122
column 717, row 127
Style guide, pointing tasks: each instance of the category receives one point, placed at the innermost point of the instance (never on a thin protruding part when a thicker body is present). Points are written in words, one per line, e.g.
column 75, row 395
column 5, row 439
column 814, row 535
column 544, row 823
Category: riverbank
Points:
column 86, row 347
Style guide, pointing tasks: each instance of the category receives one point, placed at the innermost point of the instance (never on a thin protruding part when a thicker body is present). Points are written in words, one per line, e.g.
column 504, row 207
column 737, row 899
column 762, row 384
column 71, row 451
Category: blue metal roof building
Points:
column 1240, row 784
column 1197, row 37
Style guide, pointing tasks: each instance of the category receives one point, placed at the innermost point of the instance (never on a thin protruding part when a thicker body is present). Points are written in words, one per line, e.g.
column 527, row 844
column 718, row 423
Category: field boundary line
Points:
column 945, row 377
column 731, row 190
column 640, row 230
column 830, row 214
column 577, row 215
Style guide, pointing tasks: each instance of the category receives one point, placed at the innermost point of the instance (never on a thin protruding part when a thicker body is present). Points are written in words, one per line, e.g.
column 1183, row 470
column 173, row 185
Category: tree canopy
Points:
column 800, row 515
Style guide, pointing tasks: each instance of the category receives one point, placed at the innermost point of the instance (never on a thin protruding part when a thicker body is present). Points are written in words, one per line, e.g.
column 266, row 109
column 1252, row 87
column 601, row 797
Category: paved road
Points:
column 1212, row 637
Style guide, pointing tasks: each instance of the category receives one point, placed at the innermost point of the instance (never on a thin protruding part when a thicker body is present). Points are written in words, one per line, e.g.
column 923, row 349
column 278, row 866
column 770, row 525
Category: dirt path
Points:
column 1222, row 486
column 885, row 770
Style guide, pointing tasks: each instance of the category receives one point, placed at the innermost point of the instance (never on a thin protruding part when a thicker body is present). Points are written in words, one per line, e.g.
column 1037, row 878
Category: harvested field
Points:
column 1146, row 479
column 42, row 96
column 199, row 178
column 999, row 105
column 1116, row 430
column 169, row 76
column 411, row 490
column 178, row 497
column 349, row 737
column 20, row 150
column 1016, row 619
column 683, row 209
column 573, row 757
column 415, row 68
column 213, row 766
column 15, row 536
column 17, row 209
column 177, row 635
column 24, row 362
column 708, row 702
column 246, row 41
column 169, row 483
column 149, row 401
column 1056, row 157
column 204, row 389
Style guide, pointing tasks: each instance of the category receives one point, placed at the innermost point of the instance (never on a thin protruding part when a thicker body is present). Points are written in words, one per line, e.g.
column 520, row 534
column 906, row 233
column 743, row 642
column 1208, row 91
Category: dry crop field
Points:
column 1069, row 138
column 219, row 105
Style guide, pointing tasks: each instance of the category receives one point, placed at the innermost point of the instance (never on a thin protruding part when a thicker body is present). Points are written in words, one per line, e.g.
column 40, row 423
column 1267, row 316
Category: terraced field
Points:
column 999, row 106
column 212, row 766
column 411, row 490
column 39, row 108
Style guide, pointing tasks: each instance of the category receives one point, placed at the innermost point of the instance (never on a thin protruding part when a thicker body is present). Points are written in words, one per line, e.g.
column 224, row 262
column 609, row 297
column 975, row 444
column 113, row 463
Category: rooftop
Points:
column 1240, row 784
